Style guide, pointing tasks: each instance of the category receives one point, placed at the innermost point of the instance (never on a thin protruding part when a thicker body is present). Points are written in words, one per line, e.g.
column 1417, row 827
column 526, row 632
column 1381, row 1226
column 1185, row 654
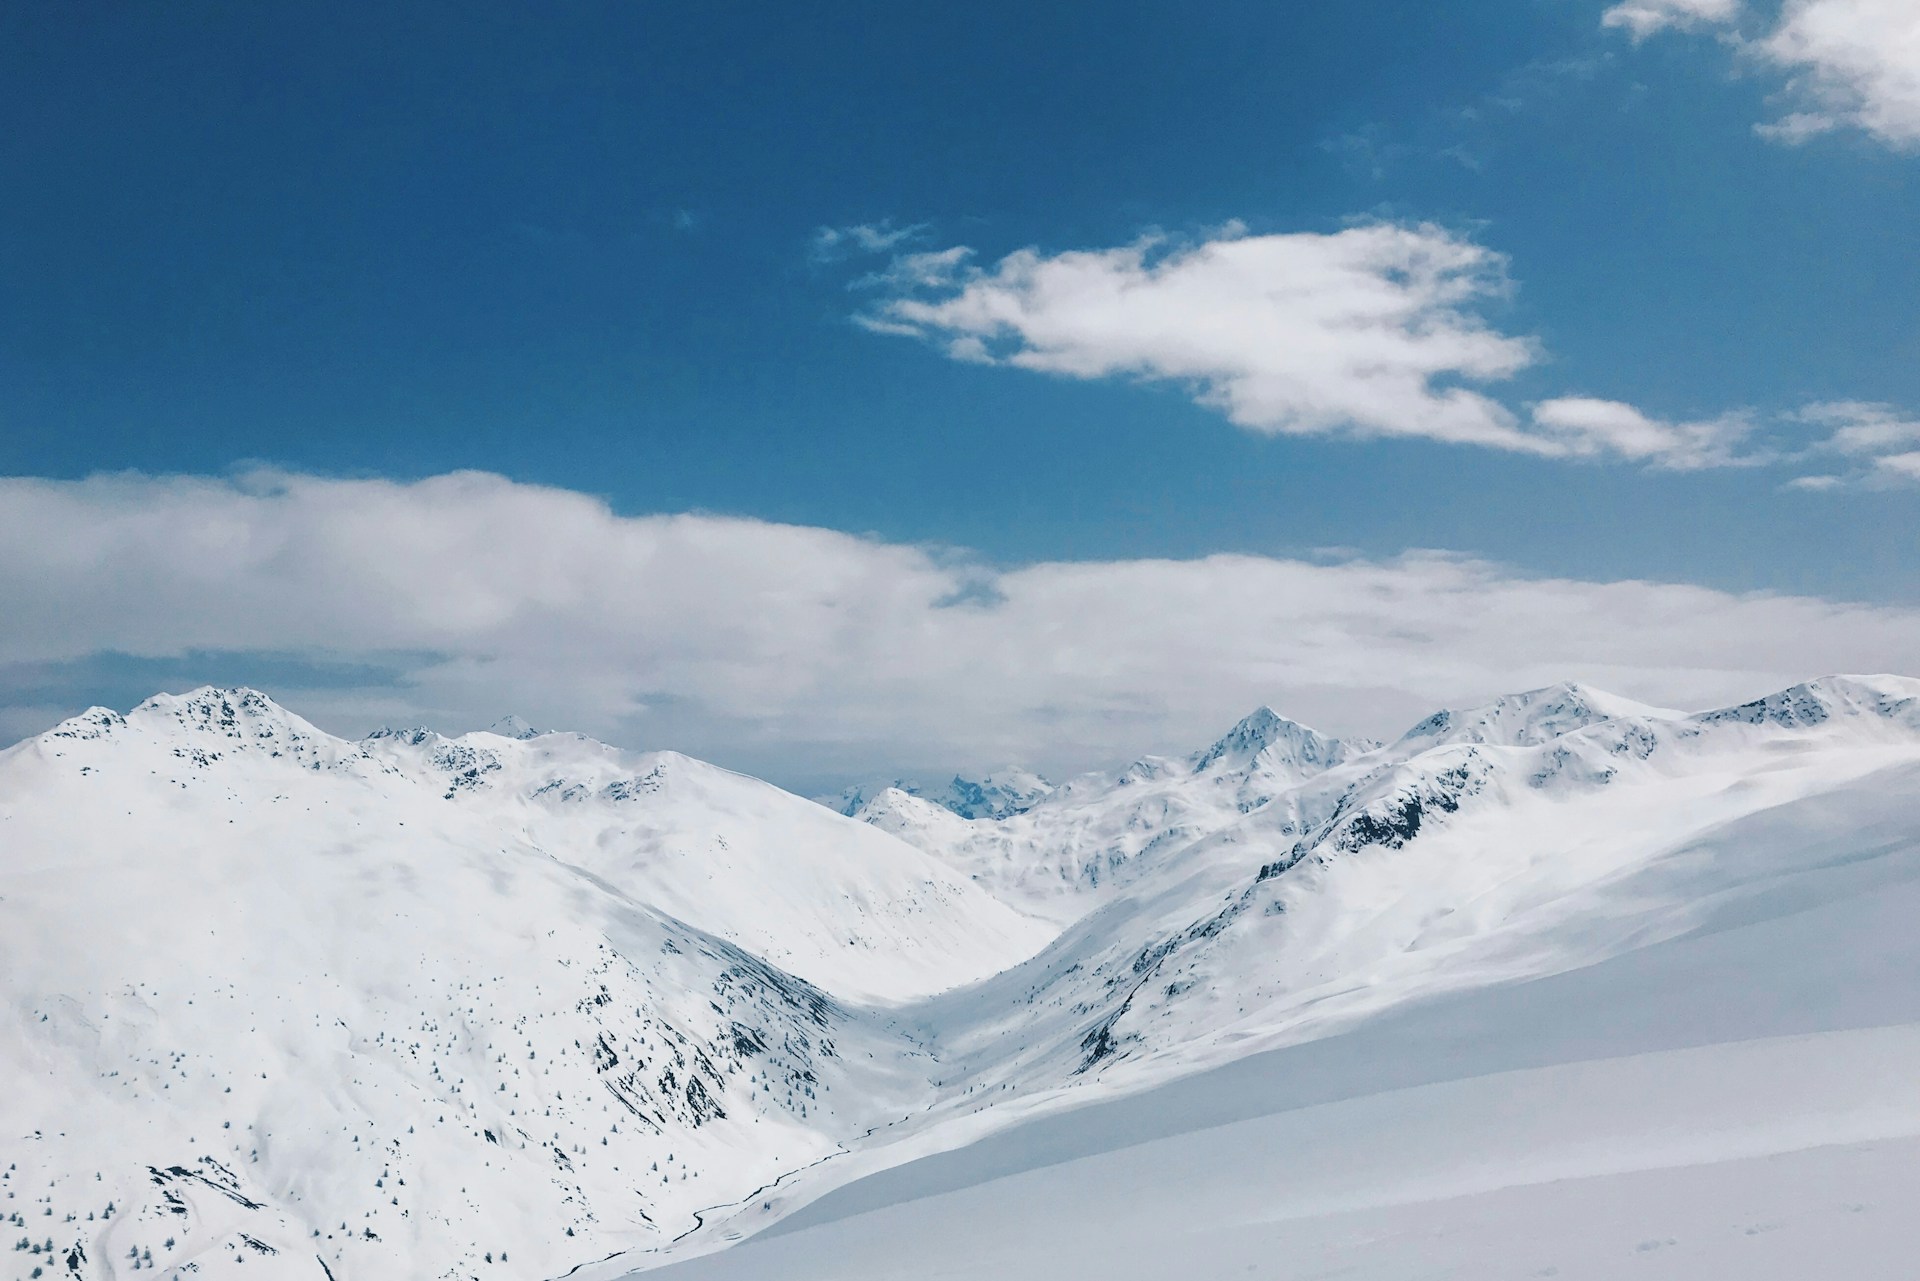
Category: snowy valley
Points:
column 269, row 995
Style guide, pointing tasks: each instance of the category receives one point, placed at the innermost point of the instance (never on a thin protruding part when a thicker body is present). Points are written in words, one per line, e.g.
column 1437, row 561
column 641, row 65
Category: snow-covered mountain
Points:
column 270, row 994
column 1736, row 1101
column 839, row 903
column 1562, row 830
column 1460, row 863
column 1076, row 845
column 1000, row 794
column 430, row 1007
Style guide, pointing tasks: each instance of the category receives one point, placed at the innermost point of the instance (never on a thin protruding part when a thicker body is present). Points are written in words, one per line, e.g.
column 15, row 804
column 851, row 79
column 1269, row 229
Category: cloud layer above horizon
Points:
column 808, row 654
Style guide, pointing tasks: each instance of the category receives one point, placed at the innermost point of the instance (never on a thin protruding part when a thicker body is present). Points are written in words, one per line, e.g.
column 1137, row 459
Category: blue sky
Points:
column 581, row 247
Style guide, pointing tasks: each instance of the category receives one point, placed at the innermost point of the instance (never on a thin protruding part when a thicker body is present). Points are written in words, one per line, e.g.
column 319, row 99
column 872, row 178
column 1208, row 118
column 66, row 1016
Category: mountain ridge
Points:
column 575, row 965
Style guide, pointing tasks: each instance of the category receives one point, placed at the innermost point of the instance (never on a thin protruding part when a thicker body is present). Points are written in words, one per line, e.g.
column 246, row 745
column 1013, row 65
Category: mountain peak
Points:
column 1892, row 698
column 225, row 710
column 1264, row 731
column 210, row 697
column 412, row 735
column 514, row 727
column 1530, row 717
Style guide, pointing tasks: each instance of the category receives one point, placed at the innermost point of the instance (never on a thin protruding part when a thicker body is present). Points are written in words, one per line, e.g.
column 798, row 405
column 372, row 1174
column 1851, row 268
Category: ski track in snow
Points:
column 521, row 1005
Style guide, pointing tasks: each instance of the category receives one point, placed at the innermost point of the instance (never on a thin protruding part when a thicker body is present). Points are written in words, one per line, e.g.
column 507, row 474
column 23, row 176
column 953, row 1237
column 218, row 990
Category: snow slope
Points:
column 1547, row 840
column 270, row 1005
column 1739, row 1100
column 1464, row 863
column 842, row 904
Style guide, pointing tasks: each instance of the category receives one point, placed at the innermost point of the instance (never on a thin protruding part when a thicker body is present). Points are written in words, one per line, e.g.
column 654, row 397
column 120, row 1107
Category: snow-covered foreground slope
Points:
column 1740, row 1100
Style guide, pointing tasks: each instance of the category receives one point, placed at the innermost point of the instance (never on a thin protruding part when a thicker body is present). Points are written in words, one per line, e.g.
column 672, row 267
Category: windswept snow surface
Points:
column 1562, row 982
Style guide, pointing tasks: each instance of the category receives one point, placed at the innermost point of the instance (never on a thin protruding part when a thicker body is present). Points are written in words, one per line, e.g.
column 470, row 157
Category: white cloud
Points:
column 1878, row 442
column 930, row 269
column 1587, row 427
column 1816, row 484
column 1853, row 63
column 1863, row 428
column 1642, row 18
column 1368, row 331
column 832, row 243
column 1849, row 63
column 807, row 653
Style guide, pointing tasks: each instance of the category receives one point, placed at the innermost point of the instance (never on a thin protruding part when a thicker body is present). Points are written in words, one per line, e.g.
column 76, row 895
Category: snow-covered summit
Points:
column 1069, row 848
column 204, row 725
column 1526, row 719
column 511, row 726
column 1096, row 835
column 1000, row 793
column 228, row 711
column 1266, row 738
column 813, row 892
column 1891, row 699
column 239, row 714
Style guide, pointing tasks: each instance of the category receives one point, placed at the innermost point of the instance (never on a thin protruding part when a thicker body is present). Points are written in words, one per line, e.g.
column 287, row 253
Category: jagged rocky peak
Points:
column 1266, row 735
column 514, row 727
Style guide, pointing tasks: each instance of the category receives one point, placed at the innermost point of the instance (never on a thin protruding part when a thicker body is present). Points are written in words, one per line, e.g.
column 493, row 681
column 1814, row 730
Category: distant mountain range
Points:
column 519, row 1004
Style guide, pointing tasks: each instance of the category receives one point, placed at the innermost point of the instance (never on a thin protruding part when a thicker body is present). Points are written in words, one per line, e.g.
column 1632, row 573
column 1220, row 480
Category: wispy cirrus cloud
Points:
column 1588, row 427
column 1869, row 443
column 830, row 244
column 1465, row 133
column 1642, row 18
